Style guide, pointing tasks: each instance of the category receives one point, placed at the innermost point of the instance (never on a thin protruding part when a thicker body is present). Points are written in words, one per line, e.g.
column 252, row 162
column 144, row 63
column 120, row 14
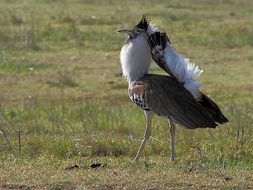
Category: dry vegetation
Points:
column 63, row 101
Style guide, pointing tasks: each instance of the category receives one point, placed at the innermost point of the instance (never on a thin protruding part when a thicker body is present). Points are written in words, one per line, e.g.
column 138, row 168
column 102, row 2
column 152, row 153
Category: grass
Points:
column 119, row 173
column 63, row 95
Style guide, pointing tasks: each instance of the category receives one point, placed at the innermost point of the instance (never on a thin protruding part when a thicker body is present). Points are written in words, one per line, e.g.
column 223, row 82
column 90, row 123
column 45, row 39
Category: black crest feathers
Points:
column 143, row 24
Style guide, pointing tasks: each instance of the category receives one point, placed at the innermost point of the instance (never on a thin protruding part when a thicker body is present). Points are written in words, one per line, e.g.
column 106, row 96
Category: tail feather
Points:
column 173, row 63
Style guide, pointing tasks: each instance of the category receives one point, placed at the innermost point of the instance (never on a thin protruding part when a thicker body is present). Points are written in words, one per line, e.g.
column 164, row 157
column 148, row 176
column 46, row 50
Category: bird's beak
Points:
column 127, row 31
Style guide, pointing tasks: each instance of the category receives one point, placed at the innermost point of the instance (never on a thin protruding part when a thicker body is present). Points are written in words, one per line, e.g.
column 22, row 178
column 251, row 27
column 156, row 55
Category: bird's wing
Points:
column 157, row 42
column 182, row 70
column 167, row 97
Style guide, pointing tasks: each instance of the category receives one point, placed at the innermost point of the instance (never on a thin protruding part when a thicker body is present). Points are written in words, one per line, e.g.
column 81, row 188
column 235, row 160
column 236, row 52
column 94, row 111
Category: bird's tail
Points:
column 157, row 42
column 213, row 109
column 173, row 63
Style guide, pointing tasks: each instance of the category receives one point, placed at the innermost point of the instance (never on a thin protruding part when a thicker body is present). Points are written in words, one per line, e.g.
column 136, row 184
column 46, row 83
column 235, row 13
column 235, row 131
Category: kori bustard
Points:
column 175, row 96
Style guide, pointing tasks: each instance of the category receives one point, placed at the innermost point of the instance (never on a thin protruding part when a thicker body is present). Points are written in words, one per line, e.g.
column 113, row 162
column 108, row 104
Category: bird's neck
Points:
column 135, row 58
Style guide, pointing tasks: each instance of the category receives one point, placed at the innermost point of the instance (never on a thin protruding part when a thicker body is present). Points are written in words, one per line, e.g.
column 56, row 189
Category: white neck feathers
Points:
column 135, row 58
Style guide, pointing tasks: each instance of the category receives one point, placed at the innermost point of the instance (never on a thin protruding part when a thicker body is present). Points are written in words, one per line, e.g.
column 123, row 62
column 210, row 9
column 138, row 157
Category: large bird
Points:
column 175, row 96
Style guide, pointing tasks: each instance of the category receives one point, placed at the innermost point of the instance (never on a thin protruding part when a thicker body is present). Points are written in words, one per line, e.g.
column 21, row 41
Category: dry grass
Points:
column 122, row 173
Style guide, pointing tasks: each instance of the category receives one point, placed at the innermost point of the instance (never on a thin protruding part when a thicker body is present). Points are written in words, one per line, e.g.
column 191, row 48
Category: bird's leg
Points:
column 172, row 131
column 148, row 116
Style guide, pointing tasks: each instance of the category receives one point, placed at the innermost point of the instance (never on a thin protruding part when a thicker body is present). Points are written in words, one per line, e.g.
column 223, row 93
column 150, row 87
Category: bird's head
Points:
column 141, row 27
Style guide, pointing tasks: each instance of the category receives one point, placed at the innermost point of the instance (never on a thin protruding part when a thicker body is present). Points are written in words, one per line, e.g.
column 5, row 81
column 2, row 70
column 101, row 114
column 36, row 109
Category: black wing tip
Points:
column 213, row 109
column 223, row 119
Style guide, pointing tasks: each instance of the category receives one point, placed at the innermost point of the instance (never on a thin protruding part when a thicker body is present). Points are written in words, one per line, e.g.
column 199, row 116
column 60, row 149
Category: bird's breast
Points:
column 138, row 94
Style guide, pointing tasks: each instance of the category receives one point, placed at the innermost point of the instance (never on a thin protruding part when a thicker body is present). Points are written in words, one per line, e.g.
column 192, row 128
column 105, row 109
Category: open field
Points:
column 63, row 101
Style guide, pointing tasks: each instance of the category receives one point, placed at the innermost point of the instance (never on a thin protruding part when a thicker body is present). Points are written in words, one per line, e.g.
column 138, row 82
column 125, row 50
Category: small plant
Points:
column 12, row 135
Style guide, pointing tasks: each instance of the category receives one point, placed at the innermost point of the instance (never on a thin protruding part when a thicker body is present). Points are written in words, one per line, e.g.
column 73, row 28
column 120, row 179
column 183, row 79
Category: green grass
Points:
column 21, row 66
column 63, row 94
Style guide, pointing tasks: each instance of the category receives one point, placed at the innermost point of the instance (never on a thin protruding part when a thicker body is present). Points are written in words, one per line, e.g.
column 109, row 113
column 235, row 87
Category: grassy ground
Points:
column 63, row 101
